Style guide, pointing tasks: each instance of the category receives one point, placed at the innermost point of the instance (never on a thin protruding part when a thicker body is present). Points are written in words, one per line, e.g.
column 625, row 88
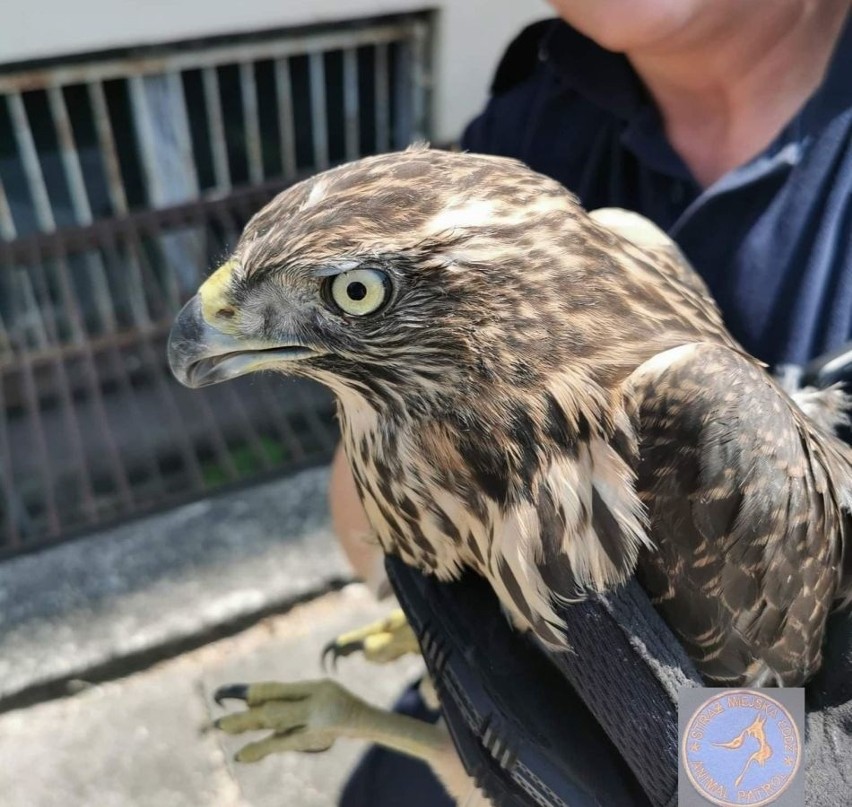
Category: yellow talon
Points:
column 379, row 642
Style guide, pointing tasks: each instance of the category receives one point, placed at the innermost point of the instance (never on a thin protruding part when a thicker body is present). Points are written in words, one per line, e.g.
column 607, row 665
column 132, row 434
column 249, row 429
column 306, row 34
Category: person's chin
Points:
column 627, row 25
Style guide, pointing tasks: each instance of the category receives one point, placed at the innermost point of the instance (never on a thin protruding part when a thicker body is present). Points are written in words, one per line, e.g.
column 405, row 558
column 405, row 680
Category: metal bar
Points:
column 72, row 305
column 162, row 128
column 180, row 121
column 29, row 158
column 136, row 290
column 230, row 226
column 121, row 373
column 13, row 505
column 80, row 200
column 172, row 247
column 382, row 98
column 247, row 428
column 98, row 345
column 31, row 406
column 280, row 423
column 40, row 301
column 78, row 238
column 216, row 128
column 34, row 312
column 285, row 117
column 70, row 158
column 350, row 103
column 219, row 446
column 146, row 137
column 109, row 152
column 5, row 344
column 102, row 296
column 40, row 446
column 192, row 59
column 73, row 429
column 420, row 83
column 8, row 231
column 248, row 91
column 402, row 125
column 319, row 123
column 165, row 388
column 319, row 431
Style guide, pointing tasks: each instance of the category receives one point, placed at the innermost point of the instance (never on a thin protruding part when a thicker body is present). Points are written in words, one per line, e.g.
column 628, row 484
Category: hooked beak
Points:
column 201, row 354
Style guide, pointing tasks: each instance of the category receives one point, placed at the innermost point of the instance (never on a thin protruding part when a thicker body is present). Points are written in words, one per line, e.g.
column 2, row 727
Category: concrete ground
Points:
column 110, row 647
column 145, row 739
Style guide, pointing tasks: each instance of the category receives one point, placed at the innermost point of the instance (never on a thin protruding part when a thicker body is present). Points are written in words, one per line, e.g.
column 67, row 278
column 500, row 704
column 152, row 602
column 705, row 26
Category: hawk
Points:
column 545, row 396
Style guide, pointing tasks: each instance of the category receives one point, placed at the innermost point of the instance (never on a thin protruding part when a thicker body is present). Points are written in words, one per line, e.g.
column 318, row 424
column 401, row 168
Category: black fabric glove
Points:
column 828, row 736
column 599, row 725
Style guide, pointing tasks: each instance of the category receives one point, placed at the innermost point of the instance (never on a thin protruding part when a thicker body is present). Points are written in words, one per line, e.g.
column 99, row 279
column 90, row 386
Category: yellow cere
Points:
column 214, row 299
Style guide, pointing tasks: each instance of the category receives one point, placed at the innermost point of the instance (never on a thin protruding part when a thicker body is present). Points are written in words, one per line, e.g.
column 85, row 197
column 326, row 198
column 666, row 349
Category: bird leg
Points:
column 310, row 715
column 380, row 642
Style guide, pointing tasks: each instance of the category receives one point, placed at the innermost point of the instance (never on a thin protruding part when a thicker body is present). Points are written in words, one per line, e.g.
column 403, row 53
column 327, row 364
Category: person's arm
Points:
column 350, row 524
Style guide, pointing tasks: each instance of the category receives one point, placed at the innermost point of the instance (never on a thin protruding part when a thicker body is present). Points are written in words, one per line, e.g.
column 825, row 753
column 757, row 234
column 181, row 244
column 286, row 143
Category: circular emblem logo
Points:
column 741, row 747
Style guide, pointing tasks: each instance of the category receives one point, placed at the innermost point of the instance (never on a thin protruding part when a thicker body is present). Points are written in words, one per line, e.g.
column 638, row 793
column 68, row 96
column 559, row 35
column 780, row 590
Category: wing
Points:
column 749, row 509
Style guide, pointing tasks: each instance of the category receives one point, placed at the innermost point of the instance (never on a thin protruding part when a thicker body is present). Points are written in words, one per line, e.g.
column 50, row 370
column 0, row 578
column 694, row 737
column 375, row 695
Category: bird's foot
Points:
column 305, row 716
column 379, row 642
column 309, row 716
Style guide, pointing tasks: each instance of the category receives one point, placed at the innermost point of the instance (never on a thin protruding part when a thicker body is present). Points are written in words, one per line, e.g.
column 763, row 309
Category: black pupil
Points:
column 356, row 291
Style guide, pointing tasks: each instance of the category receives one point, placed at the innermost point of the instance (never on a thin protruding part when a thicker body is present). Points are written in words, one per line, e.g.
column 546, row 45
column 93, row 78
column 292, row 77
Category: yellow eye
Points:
column 361, row 291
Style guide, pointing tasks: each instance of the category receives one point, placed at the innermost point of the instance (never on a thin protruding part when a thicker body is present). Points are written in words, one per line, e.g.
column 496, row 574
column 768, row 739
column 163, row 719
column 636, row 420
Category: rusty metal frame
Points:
column 65, row 384
column 28, row 380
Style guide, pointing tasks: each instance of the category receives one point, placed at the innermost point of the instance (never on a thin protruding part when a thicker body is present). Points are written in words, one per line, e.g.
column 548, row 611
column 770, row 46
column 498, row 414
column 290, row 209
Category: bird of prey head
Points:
column 414, row 277
column 505, row 365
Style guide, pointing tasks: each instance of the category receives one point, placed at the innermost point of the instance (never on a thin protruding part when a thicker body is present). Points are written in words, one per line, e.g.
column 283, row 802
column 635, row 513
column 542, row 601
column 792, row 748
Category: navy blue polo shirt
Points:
column 772, row 238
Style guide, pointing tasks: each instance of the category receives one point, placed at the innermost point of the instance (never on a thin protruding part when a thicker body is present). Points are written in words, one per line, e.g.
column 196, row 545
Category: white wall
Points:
column 471, row 33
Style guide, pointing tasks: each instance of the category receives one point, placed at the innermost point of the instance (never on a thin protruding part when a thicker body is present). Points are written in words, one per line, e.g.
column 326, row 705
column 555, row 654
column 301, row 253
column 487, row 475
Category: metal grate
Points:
column 121, row 182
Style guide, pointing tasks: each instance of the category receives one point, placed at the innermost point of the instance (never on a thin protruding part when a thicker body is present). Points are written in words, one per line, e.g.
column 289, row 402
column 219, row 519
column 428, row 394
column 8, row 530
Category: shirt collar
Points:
column 603, row 77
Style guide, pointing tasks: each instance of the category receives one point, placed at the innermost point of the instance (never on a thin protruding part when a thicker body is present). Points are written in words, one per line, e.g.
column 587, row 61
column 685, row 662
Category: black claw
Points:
column 329, row 653
column 334, row 651
column 235, row 691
